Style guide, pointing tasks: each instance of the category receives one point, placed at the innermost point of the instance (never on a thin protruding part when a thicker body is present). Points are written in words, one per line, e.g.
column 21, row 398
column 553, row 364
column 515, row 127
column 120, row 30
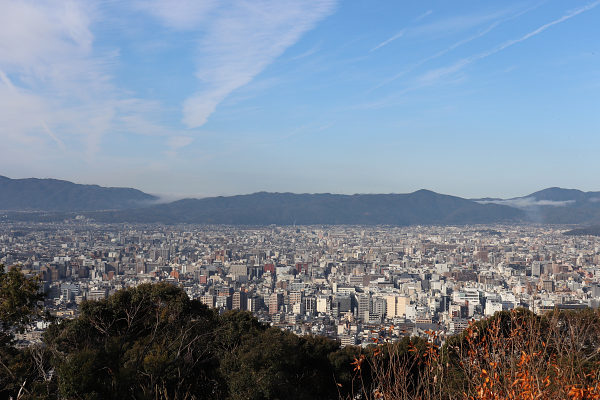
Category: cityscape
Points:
column 299, row 200
column 348, row 283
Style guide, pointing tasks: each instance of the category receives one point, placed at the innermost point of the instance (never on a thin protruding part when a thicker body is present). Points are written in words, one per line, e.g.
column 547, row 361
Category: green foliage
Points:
column 56, row 195
column 19, row 297
column 147, row 342
column 421, row 207
column 274, row 364
column 236, row 326
column 19, row 308
column 348, row 379
column 153, row 342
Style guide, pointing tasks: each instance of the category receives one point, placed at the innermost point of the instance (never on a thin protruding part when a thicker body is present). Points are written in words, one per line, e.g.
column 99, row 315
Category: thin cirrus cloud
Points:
column 479, row 34
column 53, row 86
column 176, row 143
column 180, row 14
column 389, row 40
column 237, row 40
column 44, row 61
column 420, row 17
column 434, row 75
column 57, row 88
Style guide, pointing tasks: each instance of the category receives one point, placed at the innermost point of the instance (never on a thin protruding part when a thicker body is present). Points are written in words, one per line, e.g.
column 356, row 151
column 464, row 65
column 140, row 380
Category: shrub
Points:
column 513, row 355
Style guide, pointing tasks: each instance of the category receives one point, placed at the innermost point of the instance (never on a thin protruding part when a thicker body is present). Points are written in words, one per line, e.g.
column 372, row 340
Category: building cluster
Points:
column 350, row 283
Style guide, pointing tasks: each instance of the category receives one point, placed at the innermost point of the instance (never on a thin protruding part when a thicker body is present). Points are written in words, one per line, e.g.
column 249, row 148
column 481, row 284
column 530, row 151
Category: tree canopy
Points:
column 154, row 342
column 20, row 299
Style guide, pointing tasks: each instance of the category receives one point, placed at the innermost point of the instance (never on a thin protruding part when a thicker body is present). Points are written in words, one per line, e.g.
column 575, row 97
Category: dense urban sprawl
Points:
column 349, row 283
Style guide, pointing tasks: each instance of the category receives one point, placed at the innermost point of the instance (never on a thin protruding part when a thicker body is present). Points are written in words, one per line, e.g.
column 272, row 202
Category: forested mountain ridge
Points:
column 34, row 194
column 421, row 207
column 556, row 206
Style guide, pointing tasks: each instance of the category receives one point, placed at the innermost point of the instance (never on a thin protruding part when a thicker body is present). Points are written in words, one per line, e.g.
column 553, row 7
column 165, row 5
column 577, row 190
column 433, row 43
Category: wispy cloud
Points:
column 7, row 82
column 53, row 136
column 472, row 19
column 171, row 197
column 307, row 53
column 455, row 24
column 399, row 34
column 57, row 88
column 177, row 142
column 434, row 75
column 423, row 15
column 237, row 42
column 180, row 14
column 44, row 57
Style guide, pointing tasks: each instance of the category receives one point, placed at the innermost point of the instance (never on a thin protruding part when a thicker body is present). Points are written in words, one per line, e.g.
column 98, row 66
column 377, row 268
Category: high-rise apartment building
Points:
column 275, row 301
column 239, row 300
column 364, row 304
column 208, row 300
column 254, row 303
column 379, row 306
column 310, row 305
column 324, row 304
column 296, row 297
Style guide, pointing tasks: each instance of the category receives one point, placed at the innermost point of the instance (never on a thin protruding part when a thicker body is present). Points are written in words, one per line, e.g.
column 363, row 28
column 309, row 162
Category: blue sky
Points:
column 203, row 98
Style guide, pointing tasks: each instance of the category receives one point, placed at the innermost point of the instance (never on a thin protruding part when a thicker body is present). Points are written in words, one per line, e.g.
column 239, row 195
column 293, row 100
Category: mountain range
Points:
column 34, row 194
column 54, row 199
column 556, row 206
column 421, row 207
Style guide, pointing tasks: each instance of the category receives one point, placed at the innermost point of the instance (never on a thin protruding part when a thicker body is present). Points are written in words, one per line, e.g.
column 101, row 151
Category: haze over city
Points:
column 211, row 98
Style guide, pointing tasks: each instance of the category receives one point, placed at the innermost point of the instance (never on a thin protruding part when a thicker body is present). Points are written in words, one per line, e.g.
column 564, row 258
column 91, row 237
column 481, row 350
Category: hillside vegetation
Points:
column 153, row 342
column 56, row 200
column 55, row 195
column 421, row 207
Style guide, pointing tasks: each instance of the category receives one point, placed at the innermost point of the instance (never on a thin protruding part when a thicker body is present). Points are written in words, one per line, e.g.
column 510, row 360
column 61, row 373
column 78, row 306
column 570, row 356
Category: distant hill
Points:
column 591, row 231
column 419, row 208
column 55, row 195
column 423, row 207
column 560, row 194
column 556, row 206
column 567, row 206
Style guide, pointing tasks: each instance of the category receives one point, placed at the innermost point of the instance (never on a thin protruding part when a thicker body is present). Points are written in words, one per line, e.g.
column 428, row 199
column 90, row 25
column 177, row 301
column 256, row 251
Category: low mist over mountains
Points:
column 55, row 195
column 423, row 207
column 556, row 206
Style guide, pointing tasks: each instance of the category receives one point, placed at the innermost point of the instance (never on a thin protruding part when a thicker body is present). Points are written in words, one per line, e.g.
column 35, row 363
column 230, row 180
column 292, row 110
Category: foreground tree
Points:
column 513, row 355
column 20, row 307
column 153, row 342
column 20, row 299
column 148, row 342
column 268, row 363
